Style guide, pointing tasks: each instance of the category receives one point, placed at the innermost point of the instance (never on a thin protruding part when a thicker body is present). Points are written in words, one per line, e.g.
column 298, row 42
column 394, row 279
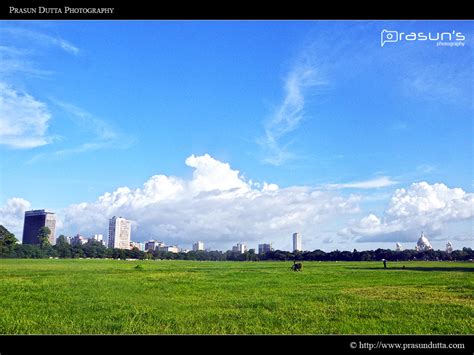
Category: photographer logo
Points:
column 442, row 39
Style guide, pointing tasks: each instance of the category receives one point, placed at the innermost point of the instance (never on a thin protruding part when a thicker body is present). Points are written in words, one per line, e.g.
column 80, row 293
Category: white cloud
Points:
column 16, row 60
column 420, row 207
column 429, row 200
column 440, row 82
column 23, row 119
column 12, row 215
column 435, row 87
column 211, row 174
column 40, row 39
column 220, row 207
column 102, row 134
column 289, row 114
column 216, row 205
column 426, row 168
column 379, row 182
column 23, row 50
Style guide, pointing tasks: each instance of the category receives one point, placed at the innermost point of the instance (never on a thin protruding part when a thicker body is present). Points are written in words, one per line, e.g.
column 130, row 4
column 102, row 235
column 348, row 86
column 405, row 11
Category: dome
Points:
column 449, row 247
column 423, row 243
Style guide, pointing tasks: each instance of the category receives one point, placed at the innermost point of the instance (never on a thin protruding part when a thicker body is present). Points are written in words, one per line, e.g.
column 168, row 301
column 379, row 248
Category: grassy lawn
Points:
column 191, row 297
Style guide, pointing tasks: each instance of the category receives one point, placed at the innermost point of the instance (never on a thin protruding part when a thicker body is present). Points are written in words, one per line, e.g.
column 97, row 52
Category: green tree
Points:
column 77, row 251
column 61, row 240
column 7, row 241
column 252, row 256
column 136, row 253
column 94, row 249
column 43, row 236
column 63, row 248
column 297, row 255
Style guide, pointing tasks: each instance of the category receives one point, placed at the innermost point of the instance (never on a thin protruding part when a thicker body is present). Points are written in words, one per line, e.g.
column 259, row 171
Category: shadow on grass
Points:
column 417, row 268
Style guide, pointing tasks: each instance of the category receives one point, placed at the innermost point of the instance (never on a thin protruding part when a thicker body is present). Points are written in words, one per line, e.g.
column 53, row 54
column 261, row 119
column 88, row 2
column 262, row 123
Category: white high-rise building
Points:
column 119, row 233
column 98, row 238
column 239, row 248
column 297, row 242
column 398, row 247
column 199, row 245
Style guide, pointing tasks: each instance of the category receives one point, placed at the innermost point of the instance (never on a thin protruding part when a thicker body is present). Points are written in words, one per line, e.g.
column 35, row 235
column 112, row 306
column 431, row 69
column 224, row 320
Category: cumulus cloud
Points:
column 211, row 174
column 221, row 207
column 23, row 119
column 420, row 207
column 12, row 215
column 216, row 205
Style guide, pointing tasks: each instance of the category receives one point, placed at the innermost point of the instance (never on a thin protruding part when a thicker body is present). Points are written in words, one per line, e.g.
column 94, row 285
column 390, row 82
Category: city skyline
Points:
column 120, row 237
column 239, row 132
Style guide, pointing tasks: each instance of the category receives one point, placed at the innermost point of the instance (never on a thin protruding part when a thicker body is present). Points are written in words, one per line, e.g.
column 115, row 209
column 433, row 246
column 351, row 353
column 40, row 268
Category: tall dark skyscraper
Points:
column 34, row 220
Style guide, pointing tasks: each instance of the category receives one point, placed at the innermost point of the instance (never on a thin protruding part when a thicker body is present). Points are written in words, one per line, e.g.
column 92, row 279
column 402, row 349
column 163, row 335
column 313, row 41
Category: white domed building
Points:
column 423, row 243
column 449, row 248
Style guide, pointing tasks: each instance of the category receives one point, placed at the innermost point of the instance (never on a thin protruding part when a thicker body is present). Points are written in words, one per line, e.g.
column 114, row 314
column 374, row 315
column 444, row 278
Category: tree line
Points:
column 9, row 248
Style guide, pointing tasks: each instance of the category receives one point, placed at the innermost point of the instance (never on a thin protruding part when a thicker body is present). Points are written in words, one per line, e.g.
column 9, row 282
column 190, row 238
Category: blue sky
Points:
column 97, row 105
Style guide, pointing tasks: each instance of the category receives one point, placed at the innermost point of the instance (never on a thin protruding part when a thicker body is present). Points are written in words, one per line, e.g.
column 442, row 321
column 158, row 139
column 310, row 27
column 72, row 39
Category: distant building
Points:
column 398, row 247
column 153, row 245
column 119, row 233
column 34, row 221
column 78, row 240
column 239, row 248
column 98, row 238
column 184, row 250
column 264, row 248
column 66, row 239
column 423, row 243
column 198, row 246
column 297, row 242
column 170, row 249
column 449, row 248
column 150, row 245
column 138, row 245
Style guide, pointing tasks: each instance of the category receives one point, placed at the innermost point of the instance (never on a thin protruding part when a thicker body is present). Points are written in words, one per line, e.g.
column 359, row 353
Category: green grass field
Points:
column 192, row 297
